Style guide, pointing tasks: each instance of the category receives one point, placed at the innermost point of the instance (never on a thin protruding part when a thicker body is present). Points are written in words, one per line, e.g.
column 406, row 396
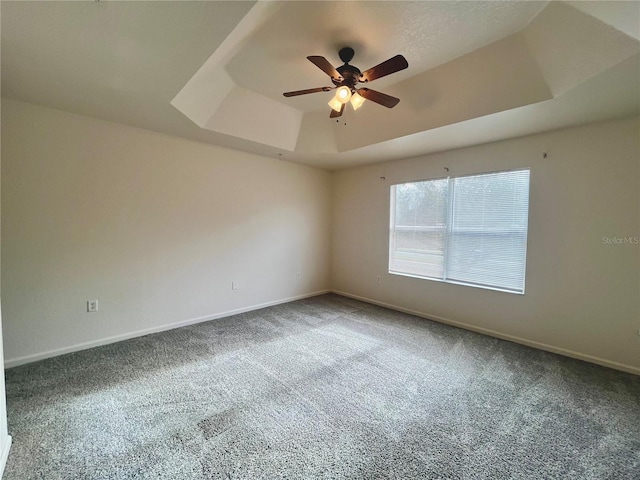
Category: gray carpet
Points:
column 326, row 387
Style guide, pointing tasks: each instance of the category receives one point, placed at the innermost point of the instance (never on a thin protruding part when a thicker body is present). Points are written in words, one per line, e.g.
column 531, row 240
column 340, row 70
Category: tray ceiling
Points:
column 215, row 71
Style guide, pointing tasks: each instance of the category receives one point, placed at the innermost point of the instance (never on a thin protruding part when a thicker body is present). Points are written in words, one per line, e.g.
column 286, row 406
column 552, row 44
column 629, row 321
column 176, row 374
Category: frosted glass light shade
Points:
column 343, row 94
column 335, row 104
column 356, row 101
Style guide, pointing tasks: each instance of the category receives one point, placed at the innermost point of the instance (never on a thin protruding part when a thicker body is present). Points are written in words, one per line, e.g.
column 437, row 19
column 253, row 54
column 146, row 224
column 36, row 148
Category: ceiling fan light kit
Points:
column 345, row 78
column 343, row 95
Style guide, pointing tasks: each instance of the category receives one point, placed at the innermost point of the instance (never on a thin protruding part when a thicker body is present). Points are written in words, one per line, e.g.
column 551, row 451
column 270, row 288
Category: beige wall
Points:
column 582, row 295
column 154, row 227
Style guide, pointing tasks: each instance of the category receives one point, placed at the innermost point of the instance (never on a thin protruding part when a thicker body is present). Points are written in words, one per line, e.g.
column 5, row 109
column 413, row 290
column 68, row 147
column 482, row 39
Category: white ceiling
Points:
column 215, row 71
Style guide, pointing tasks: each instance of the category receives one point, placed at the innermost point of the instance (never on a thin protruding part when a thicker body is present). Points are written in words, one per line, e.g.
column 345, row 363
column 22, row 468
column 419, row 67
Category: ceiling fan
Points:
column 346, row 77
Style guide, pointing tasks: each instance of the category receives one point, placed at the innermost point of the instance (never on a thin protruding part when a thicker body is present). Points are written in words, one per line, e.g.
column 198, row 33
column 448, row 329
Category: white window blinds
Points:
column 470, row 230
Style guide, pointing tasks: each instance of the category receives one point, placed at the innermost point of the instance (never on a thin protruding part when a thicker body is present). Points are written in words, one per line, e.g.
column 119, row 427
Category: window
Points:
column 467, row 230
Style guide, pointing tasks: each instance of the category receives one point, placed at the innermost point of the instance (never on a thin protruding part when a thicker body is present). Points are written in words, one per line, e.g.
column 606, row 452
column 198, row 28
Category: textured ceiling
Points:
column 215, row 71
column 427, row 34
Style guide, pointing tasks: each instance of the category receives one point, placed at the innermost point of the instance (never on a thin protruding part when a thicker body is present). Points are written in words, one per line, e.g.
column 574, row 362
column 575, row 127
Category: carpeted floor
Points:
column 326, row 387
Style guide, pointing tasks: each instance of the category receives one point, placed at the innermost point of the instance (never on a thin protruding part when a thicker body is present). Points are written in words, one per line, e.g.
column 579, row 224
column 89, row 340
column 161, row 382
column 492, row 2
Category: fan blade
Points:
column 304, row 92
column 335, row 114
column 381, row 98
column 324, row 65
column 392, row 65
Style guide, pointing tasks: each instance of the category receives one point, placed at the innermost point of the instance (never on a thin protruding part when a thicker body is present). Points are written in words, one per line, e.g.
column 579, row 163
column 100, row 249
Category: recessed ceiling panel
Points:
column 426, row 33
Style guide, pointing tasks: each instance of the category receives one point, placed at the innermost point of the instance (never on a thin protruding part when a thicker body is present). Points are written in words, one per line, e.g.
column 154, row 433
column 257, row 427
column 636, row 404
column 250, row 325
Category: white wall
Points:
column 154, row 227
column 582, row 296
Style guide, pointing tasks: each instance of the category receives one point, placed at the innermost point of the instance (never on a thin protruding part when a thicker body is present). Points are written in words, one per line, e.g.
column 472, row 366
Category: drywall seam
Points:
column 492, row 333
column 14, row 362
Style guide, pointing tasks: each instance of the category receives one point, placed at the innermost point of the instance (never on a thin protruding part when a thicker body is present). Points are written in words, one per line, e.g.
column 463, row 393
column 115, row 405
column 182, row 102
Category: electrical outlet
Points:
column 92, row 306
column 379, row 279
column 297, row 274
column 234, row 285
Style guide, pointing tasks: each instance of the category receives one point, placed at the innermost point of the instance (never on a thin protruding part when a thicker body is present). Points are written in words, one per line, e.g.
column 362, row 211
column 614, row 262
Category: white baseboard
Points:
column 4, row 455
column 492, row 333
column 14, row 362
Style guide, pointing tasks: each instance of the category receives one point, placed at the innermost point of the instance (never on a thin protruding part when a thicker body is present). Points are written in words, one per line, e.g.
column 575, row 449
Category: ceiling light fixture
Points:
column 342, row 96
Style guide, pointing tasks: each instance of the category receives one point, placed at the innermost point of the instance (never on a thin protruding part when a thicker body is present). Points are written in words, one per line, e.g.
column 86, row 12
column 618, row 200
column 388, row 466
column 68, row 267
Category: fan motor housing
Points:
column 350, row 76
